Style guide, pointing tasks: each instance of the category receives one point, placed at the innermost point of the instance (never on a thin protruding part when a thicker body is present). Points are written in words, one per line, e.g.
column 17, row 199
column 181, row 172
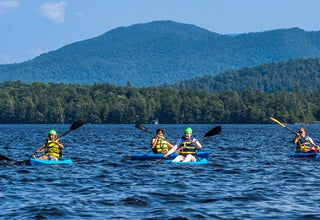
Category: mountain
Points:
column 160, row 52
column 302, row 74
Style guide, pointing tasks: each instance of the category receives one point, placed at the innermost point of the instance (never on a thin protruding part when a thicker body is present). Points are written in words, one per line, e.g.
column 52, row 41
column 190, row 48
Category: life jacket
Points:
column 53, row 149
column 161, row 146
column 187, row 147
column 303, row 144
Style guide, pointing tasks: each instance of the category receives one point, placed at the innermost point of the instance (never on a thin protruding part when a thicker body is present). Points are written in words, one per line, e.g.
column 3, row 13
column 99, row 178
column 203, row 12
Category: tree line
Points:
column 38, row 103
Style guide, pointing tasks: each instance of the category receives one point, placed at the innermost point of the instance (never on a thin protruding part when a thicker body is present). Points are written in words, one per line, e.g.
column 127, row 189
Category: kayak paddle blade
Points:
column 278, row 122
column 143, row 128
column 213, row 131
column 5, row 158
column 74, row 126
column 77, row 124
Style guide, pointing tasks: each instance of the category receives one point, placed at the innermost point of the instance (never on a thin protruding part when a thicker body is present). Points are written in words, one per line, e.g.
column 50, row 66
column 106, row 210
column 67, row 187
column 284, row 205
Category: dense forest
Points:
column 104, row 103
column 159, row 52
column 301, row 73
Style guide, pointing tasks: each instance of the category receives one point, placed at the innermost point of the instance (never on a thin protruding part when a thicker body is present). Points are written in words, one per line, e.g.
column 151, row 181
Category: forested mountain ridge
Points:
column 161, row 52
column 302, row 74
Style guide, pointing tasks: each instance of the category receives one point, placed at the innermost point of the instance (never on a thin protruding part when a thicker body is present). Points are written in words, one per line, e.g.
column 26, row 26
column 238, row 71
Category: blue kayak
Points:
column 35, row 162
column 198, row 162
column 152, row 156
column 302, row 154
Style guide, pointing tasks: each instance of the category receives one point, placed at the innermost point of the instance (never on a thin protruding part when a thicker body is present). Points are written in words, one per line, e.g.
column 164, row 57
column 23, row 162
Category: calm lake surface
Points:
column 249, row 176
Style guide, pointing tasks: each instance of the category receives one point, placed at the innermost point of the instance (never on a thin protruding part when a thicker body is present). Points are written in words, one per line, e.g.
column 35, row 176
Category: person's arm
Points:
column 41, row 148
column 197, row 143
column 170, row 145
column 154, row 142
column 59, row 144
column 296, row 138
column 312, row 143
column 171, row 151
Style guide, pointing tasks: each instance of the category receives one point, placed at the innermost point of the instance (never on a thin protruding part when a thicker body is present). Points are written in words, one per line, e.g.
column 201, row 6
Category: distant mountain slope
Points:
column 161, row 52
column 294, row 74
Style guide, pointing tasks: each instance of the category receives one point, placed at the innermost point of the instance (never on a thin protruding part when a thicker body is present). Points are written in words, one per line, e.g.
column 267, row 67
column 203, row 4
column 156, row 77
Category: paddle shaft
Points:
column 283, row 125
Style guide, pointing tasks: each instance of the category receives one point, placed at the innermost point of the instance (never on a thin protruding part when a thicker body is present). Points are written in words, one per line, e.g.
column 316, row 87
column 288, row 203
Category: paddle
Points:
column 74, row 126
column 143, row 128
column 214, row 131
column 282, row 125
column 77, row 124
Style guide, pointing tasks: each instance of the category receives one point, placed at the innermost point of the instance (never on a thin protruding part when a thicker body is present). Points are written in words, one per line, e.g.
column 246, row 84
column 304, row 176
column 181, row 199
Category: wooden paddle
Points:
column 283, row 125
column 214, row 131
column 77, row 124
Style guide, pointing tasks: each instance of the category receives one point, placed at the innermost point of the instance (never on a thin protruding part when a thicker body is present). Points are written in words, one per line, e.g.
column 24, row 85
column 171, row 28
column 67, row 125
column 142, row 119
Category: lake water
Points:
column 249, row 176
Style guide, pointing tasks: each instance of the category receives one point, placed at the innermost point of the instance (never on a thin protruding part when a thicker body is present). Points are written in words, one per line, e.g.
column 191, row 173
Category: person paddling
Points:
column 304, row 142
column 159, row 144
column 52, row 147
column 187, row 147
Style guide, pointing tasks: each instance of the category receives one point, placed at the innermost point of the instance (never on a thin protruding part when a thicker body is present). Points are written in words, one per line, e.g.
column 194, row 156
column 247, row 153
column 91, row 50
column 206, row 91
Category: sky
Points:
column 32, row 27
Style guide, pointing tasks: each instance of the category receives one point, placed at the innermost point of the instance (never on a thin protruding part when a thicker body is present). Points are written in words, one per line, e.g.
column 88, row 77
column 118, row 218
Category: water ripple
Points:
column 249, row 176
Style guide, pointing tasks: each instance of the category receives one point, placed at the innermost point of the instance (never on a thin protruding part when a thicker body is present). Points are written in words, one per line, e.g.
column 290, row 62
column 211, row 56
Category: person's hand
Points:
column 194, row 141
column 34, row 155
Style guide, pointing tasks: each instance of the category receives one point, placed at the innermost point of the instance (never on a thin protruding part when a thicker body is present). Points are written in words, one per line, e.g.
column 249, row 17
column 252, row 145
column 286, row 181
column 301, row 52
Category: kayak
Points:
column 198, row 162
column 302, row 154
column 35, row 162
column 151, row 156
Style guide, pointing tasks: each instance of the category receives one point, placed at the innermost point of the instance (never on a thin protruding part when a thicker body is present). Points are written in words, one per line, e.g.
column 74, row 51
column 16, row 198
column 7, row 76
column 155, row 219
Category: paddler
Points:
column 304, row 142
column 187, row 147
column 159, row 144
column 52, row 147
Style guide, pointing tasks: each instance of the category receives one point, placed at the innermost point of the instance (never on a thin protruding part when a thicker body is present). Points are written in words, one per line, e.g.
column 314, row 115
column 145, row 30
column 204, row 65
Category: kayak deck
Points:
column 151, row 156
column 35, row 162
column 198, row 162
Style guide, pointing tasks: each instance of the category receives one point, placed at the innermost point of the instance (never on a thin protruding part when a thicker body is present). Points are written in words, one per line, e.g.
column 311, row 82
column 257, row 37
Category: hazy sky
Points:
column 32, row 27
